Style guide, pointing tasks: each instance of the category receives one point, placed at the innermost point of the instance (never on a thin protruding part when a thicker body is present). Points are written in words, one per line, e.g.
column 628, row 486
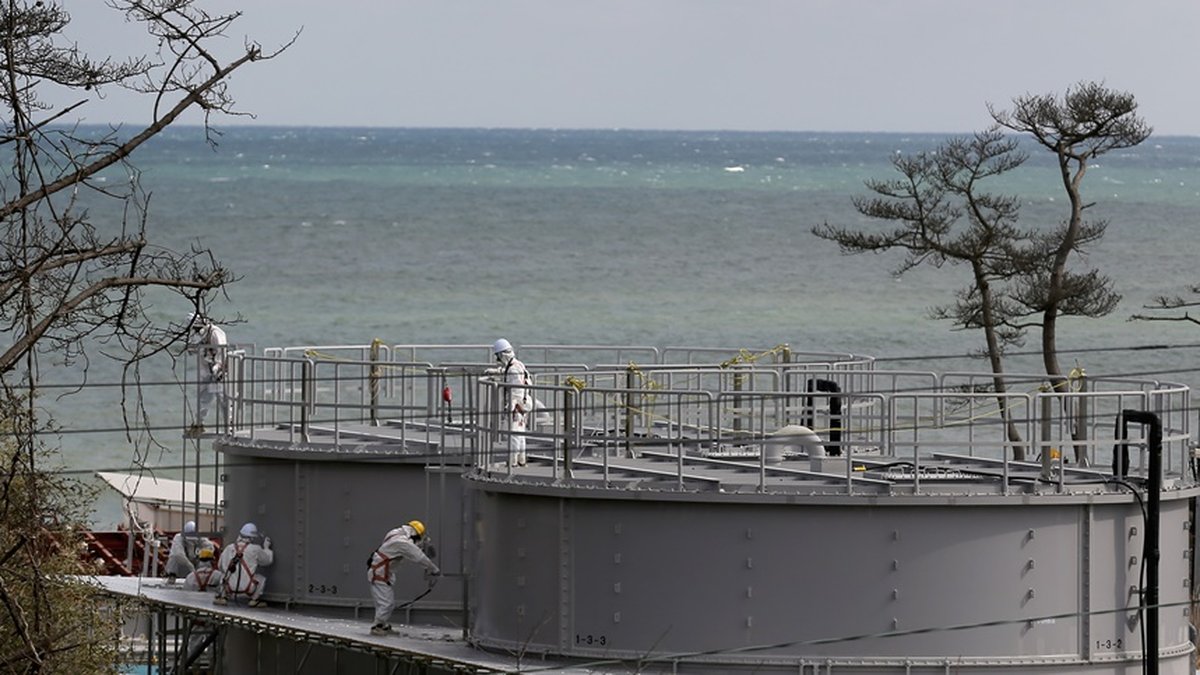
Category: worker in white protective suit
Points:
column 209, row 340
column 205, row 577
column 241, row 566
column 518, row 402
column 185, row 549
column 403, row 543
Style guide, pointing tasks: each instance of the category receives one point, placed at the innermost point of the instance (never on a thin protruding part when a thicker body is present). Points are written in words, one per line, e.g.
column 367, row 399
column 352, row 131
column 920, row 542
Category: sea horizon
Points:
column 343, row 235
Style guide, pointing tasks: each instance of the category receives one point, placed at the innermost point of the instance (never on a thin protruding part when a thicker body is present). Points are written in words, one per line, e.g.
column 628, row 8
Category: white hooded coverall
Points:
column 185, row 547
column 397, row 544
column 211, row 340
column 518, row 408
column 204, row 578
column 240, row 563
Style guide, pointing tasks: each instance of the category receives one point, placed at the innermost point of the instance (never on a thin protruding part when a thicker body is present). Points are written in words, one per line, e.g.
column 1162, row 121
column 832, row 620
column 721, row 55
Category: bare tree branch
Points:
column 78, row 271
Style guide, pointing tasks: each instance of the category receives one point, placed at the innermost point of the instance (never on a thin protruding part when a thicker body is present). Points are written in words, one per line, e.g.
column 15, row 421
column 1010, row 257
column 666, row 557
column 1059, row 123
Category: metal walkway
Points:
column 419, row 645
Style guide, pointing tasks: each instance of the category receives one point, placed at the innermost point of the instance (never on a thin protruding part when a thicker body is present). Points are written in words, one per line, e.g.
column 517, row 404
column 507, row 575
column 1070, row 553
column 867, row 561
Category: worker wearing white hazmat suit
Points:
column 241, row 564
column 517, row 400
column 205, row 577
column 185, row 548
column 210, row 342
column 399, row 544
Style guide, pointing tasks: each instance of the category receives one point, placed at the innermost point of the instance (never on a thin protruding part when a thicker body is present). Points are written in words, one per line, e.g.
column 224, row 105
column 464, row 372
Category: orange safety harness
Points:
column 382, row 570
column 203, row 577
column 239, row 559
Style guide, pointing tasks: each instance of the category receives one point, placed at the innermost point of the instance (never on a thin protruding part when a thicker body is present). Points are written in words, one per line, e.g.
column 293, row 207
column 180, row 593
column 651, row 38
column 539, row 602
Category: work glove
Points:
column 432, row 578
column 266, row 542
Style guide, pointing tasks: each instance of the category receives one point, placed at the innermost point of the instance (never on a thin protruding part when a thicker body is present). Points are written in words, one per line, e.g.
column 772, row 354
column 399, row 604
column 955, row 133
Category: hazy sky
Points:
column 806, row 65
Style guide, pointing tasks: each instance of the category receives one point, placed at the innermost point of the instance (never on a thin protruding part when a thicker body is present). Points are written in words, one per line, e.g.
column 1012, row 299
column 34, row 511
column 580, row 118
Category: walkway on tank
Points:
column 429, row 442
column 419, row 645
column 660, row 464
column 939, row 474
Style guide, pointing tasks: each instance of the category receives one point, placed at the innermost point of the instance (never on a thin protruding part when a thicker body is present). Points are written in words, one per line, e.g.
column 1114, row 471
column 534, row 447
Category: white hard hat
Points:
column 248, row 530
column 189, row 527
column 501, row 345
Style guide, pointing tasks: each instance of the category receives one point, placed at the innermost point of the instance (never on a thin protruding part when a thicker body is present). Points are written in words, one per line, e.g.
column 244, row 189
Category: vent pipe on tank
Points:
column 1150, row 549
column 792, row 438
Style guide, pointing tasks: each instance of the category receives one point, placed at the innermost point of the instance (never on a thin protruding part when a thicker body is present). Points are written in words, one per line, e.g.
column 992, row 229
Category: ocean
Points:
column 341, row 236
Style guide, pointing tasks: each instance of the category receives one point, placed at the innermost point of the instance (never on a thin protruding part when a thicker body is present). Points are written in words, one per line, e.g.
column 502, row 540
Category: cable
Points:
column 848, row 638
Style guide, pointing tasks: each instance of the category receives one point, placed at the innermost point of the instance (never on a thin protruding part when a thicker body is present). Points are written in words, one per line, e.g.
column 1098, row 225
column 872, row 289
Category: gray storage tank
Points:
column 332, row 448
column 1006, row 583
column 917, row 546
column 326, row 512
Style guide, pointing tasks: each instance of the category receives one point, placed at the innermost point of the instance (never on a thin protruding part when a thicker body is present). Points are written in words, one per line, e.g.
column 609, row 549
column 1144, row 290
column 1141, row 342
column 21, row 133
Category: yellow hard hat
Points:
column 418, row 526
column 205, row 554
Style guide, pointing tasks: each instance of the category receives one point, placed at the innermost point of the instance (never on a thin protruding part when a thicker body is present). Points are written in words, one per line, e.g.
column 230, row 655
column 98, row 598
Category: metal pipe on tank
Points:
column 1153, row 517
column 834, row 403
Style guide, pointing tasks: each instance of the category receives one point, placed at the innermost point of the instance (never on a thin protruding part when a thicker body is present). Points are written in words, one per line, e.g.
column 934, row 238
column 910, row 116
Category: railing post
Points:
column 737, row 400
column 568, row 430
column 1046, row 436
column 306, row 396
column 470, row 387
column 373, row 381
column 630, row 385
column 447, row 400
column 785, row 357
column 1081, row 423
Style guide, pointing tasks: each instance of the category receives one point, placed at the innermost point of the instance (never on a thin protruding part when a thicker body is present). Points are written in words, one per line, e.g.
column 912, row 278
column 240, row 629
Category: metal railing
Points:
column 747, row 410
column 921, row 426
